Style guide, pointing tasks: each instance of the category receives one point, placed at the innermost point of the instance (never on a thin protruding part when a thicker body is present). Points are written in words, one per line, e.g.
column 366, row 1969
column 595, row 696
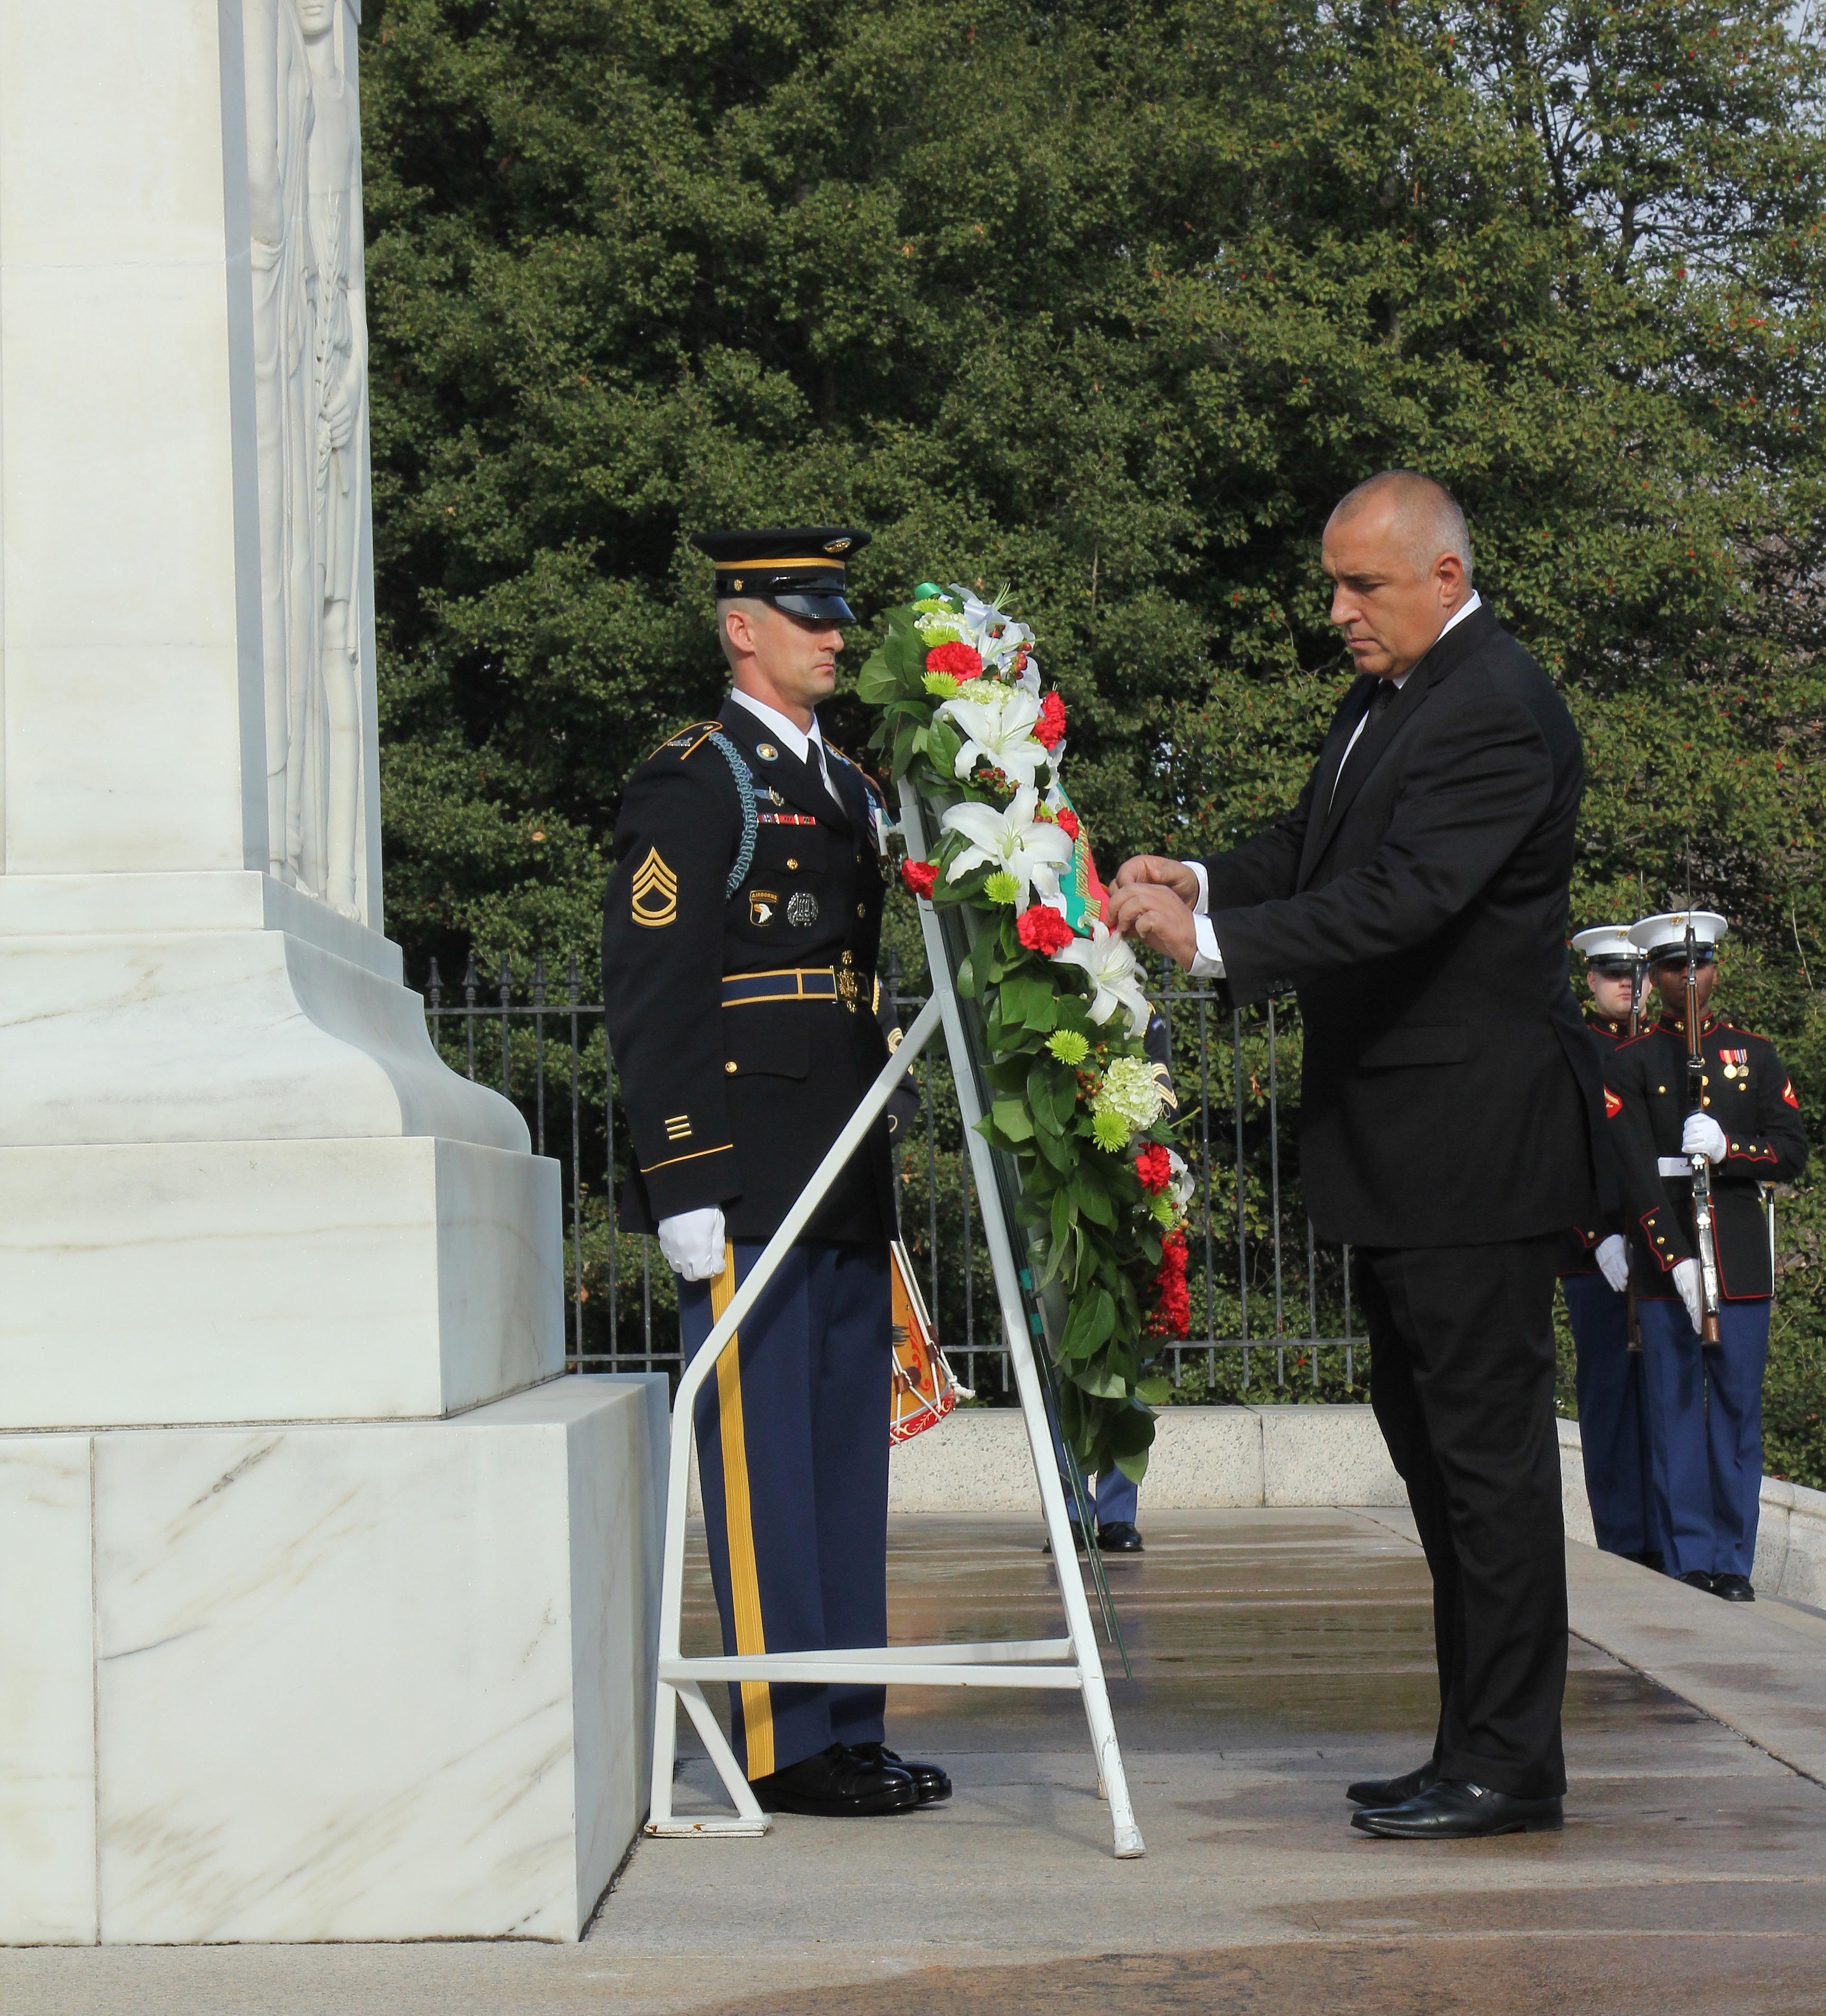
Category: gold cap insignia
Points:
column 838, row 545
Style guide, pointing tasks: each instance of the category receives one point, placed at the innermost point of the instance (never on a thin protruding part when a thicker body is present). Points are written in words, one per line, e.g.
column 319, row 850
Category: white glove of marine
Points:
column 692, row 1243
column 1702, row 1135
column 1613, row 1260
column 1692, row 1289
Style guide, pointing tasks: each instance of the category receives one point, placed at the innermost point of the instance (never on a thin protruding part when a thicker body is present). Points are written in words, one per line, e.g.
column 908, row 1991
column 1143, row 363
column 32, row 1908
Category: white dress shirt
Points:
column 1208, row 961
column 800, row 740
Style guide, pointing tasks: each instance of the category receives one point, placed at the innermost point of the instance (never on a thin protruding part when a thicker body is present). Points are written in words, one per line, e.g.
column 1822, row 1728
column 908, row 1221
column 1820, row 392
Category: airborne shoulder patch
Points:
column 655, row 892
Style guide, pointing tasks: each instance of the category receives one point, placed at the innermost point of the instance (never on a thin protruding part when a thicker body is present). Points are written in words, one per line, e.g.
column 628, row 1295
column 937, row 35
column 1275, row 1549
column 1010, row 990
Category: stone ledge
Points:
column 976, row 1460
column 1791, row 1534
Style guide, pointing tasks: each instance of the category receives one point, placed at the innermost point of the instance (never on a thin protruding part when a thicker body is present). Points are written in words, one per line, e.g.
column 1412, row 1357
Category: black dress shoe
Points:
column 1698, row 1578
column 1392, row 1791
column 929, row 1782
column 1452, row 1810
column 836, row 1784
column 1734, row 1588
column 1077, row 1540
column 1119, row 1537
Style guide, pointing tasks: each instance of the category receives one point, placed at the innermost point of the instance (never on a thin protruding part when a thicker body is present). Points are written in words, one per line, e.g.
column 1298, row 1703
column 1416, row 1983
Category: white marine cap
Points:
column 1608, row 946
column 1664, row 938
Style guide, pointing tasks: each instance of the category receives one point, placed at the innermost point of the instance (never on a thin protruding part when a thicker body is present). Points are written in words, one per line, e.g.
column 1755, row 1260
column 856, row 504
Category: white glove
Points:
column 1613, row 1260
column 1692, row 1289
column 1702, row 1135
column 692, row 1243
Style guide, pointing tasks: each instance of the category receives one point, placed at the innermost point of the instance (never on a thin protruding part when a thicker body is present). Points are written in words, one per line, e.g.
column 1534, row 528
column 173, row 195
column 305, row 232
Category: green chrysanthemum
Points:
column 1109, row 1131
column 1069, row 1046
column 1002, row 888
column 1160, row 1209
column 941, row 686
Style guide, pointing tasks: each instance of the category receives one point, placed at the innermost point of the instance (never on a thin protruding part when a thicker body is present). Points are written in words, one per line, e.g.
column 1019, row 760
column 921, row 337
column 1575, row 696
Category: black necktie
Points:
column 1387, row 692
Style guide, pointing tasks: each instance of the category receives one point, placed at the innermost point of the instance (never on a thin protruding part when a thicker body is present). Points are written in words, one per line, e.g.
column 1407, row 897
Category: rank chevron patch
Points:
column 1612, row 1105
column 656, row 892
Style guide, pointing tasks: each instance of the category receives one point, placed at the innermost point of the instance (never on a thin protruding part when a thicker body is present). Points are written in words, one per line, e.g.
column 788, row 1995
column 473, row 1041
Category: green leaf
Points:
column 1011, row 1121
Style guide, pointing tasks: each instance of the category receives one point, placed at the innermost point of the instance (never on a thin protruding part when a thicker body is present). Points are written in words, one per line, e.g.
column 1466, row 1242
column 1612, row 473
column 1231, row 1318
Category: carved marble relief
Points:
column 311, row 373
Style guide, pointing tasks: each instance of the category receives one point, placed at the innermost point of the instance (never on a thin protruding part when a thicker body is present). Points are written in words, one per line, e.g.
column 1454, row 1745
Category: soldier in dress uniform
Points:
column 1594, row 1278
column 739, row 945
column 1704, row 1405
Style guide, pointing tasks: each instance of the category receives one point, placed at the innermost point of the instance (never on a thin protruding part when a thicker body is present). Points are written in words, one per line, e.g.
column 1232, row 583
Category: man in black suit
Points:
column 1415, row 898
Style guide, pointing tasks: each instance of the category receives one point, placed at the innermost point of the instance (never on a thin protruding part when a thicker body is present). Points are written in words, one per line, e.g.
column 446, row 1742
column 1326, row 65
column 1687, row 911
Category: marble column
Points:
column 248, row 1219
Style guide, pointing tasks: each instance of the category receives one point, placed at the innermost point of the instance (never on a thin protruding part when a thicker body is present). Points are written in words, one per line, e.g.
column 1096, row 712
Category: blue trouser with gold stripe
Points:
column 1613, row 1425
column 1706, row 1418
column 792, row 1452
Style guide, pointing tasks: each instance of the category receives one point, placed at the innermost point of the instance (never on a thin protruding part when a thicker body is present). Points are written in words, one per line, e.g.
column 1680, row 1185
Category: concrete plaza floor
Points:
column 1276, row 1654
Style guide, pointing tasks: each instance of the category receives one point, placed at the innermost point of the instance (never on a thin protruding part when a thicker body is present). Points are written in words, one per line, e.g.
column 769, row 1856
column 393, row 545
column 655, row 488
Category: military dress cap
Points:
column 1664, row 939
column 799, row 568
column 1608, row 948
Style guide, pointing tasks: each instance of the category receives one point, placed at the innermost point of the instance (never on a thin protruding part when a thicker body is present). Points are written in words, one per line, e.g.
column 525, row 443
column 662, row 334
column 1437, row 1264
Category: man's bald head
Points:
column 1424, row 515
column 1398, row 554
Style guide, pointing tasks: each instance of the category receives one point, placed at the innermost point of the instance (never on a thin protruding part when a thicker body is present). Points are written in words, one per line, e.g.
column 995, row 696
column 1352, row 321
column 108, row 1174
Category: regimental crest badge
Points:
column 802, row 908
column 656, row 892
column 1612, row 1105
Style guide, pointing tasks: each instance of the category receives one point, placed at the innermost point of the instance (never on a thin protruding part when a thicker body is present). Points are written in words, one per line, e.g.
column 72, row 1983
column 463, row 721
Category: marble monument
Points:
column 325, row 1604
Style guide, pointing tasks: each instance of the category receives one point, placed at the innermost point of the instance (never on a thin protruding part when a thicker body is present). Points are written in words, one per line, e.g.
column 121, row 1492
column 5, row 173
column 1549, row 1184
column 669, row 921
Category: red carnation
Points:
column 1048, row 730
column 1172, row 1314
column 919, row 875
column 959, row 659
column 1043, row 929
column 1068, row 824
column 1154, row 1166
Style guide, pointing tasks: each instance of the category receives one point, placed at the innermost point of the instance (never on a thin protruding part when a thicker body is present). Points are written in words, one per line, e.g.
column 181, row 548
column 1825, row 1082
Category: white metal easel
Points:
column 1072, row 1662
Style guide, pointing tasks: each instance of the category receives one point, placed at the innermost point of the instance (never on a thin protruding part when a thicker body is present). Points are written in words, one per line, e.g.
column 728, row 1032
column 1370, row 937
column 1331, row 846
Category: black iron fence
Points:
column 1272, row 1306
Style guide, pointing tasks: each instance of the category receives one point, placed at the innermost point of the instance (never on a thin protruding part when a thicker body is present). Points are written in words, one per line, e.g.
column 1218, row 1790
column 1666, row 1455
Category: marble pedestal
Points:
column 381, row 1681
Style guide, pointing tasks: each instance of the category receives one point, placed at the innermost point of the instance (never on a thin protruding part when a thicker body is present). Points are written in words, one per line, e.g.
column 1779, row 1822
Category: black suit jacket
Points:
column 1451, row 1096
column 736, row 1106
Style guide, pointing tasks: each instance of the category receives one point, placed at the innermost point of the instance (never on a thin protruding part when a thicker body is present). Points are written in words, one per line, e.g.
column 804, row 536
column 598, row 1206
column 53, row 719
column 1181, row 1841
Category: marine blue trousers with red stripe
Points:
column 1613, row 1425
column 1705, row 1407
column 792, row 1453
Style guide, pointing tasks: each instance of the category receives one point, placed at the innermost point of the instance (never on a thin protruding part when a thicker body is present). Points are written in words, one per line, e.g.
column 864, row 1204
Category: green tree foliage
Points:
column 1113, row 301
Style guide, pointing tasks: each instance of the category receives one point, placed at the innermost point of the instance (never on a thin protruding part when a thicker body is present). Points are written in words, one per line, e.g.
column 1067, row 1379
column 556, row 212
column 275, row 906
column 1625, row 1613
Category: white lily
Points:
column 1107, row 960
column 1001, row 735
column 996, row 638
column 1033, row 851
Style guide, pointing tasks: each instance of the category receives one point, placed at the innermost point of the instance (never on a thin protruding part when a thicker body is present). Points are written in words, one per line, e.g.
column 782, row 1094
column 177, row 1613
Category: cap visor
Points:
column 820, row 608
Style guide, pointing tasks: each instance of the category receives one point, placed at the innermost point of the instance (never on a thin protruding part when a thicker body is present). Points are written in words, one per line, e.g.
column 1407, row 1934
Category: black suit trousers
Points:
column 1461, row 1379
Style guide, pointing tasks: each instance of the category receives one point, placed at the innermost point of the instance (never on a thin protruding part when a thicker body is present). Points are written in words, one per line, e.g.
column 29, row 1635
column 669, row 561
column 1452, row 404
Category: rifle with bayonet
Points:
column 1638, row 988
column 1701, row 1166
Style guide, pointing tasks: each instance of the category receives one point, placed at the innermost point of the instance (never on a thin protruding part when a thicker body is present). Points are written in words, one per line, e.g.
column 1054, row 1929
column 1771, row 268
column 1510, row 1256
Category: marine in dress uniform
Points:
column 1704, row 1406
column 740, row 938
column 1594, row 1277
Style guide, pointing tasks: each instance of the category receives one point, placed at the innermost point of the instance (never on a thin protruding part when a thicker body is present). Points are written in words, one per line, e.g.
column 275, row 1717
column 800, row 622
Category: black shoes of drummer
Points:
column 929, row 1782
column 837, row 1785
column 1451, row 1809
column 1119, row 1537
column 1393, row 1792
column 1734, row 1588
column 1698, row 1578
